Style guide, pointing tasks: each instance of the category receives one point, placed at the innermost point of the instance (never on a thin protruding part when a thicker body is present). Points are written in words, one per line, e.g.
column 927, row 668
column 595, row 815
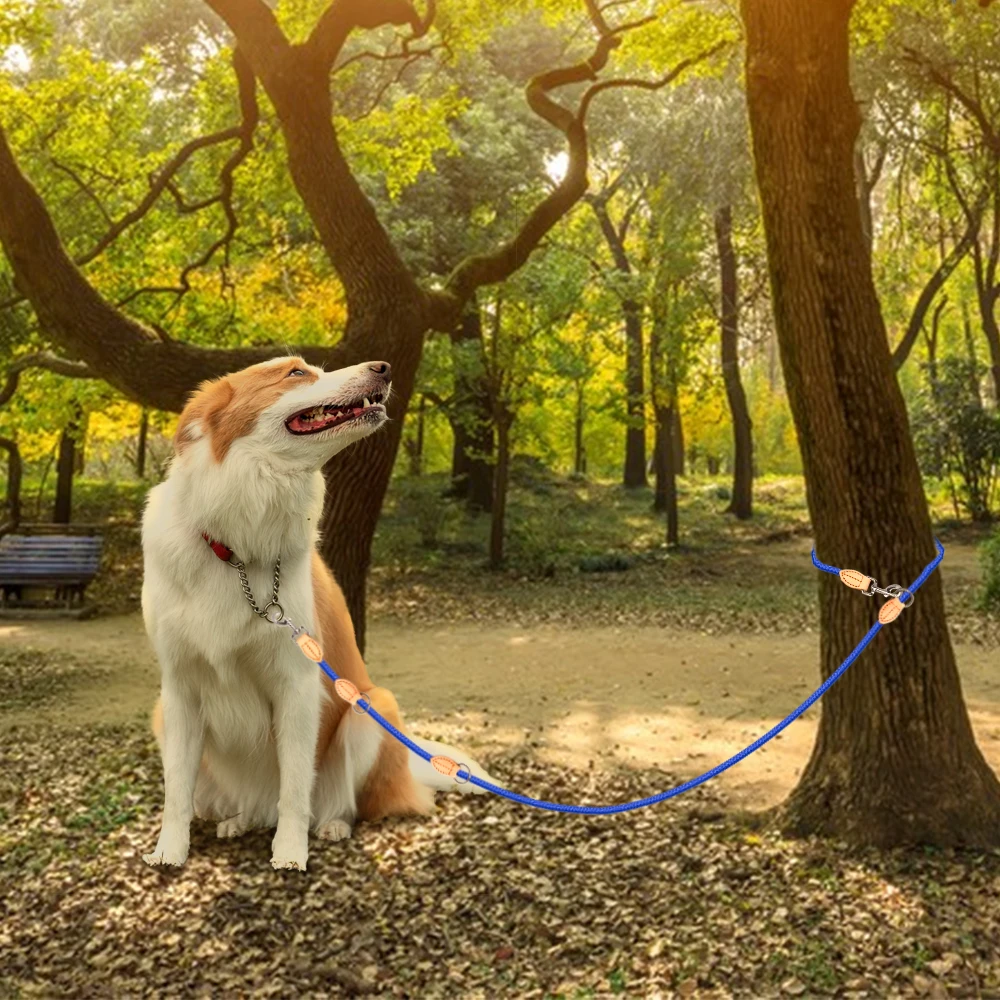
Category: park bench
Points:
column 58, row 558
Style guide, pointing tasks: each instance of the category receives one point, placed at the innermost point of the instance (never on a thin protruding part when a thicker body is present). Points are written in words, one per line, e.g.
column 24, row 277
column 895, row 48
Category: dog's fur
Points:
column 250, row 731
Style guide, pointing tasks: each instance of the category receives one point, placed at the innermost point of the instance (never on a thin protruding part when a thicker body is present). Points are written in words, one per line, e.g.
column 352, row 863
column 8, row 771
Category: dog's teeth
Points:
column 367, row 401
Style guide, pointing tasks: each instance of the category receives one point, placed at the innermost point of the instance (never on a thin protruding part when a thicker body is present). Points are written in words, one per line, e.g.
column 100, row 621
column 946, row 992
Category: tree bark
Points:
column 895, row 760
column 987, row 295
column 741, row 503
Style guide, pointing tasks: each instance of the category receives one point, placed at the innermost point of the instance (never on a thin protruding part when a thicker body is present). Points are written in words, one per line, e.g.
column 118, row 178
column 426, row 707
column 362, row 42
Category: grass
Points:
column 578, row 551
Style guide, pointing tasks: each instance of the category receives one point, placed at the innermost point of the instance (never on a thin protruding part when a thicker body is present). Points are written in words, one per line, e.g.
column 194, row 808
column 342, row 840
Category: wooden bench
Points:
column 59, row 558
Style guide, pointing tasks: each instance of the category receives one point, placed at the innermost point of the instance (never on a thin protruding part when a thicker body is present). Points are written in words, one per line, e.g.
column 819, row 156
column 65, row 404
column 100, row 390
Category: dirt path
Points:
column 679, row 701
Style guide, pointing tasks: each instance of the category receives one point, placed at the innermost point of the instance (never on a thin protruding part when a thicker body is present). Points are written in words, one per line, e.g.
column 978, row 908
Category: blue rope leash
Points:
column 651, row 800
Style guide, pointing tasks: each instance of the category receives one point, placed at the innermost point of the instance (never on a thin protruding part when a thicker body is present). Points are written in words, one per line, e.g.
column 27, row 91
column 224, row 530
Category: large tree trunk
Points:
column 895, row 760
column 471, row 418
column 741, row 503
column 358, row 477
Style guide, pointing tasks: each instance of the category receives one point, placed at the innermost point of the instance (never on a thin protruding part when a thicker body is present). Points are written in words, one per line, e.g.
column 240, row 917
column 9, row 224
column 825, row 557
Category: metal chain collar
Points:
column 265, row 612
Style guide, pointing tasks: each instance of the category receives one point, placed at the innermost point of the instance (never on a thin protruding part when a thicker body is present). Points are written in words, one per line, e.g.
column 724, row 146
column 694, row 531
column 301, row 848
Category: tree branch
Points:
column 158, row 372
column 974, row 107
column 342, row 16
column 163, row 180
column 41, row 359
column 257, row 33
column 490, row 268
column 934, row 285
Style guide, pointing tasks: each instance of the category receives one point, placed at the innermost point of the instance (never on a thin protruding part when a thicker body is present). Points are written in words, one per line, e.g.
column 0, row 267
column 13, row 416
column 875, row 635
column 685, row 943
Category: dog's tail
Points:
column 424, row 773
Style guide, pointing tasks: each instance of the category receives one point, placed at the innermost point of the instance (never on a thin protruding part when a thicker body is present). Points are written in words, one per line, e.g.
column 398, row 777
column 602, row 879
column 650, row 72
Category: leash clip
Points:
column 893, row 590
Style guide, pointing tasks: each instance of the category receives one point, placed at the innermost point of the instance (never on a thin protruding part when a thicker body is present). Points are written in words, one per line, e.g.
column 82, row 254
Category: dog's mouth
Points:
column 317, row 419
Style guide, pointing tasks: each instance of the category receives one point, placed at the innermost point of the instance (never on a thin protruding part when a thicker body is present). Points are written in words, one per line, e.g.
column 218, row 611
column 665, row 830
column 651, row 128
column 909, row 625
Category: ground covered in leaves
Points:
column 483, row 899
column 486, row 899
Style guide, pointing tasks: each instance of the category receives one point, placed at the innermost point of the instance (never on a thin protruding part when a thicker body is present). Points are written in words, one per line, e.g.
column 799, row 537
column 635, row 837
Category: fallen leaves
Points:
column 482, row 899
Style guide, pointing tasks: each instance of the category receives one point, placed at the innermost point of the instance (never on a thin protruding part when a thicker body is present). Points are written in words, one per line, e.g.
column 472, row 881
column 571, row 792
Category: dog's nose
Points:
column 382, row 368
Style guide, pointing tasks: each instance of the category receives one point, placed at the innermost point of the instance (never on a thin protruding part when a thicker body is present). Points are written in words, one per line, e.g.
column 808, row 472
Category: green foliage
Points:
column 956, row 436
column 422, row 505
column 401, row 141
column 989, row 556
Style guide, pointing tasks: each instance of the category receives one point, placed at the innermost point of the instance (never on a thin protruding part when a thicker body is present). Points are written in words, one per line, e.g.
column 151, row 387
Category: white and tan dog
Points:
column 251, row 732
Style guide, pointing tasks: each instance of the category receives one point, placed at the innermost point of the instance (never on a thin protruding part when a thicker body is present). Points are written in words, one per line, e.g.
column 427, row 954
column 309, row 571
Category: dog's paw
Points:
column 289, row 864
column 232, row 827
column 336, row 829
column 289, row 851
column 160, row 858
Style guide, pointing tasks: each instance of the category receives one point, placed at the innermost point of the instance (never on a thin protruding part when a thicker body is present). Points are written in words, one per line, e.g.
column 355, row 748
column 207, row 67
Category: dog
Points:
column 251, row 732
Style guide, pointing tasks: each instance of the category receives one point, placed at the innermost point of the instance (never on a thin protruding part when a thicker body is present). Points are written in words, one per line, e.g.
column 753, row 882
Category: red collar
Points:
column 222, row 551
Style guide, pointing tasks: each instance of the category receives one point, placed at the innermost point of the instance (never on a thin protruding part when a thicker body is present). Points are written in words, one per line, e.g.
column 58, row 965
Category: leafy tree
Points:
column 956, row 435
column 908, row 770
column 293, row 54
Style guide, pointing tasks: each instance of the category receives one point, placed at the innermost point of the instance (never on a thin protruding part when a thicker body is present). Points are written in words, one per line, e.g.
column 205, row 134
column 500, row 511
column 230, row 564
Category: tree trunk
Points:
column 680, row 462
column 358, row 477
column 665, row 464
column 14, row 472
column 579, row 452
column 634, row 474
column 970, row 353
column 471, row 418
column 895, row 760
column 741, row 504
column 140, row 447
column 417, row 446
column 63, row 507
column 500, row 481
column 635, row 433
column 80, row 453
column 987, row 312
column 864, row 188
column 660, row 448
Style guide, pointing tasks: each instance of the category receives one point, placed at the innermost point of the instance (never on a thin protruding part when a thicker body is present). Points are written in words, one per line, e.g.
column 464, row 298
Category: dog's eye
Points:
column 295, row 371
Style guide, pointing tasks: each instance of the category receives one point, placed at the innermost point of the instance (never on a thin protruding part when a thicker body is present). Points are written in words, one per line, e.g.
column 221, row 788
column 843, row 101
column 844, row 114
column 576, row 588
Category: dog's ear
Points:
column 203, row 413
